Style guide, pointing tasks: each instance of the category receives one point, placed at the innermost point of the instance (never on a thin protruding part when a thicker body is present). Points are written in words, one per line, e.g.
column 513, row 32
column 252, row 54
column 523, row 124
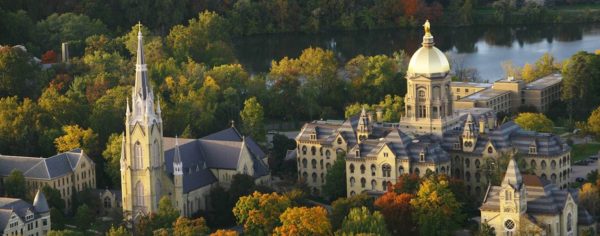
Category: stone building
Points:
column 432, row 136
column 18, row 217
column 67, row 172
column 154, row 166
column 528, row 205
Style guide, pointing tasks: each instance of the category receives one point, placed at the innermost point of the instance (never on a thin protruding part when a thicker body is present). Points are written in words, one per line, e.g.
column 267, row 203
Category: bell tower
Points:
column 469, row 135
column 428, row 100
column 513, row 197
column 142, row 155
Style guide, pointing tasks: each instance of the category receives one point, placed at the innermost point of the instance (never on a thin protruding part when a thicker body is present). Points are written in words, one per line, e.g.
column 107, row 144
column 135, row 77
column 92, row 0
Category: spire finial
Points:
column 139, row 28
column 427, row 38
column 176, row 141
column 232, row 123
column 427, row 27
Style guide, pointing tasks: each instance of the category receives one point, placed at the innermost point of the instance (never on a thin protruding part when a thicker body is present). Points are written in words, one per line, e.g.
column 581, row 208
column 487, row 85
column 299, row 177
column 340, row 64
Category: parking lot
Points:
column 583, row 170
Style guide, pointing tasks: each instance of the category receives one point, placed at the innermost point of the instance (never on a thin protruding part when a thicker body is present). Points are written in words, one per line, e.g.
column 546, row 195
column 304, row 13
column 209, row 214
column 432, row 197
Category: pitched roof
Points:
column 39, row 203
column 513, row 175
column 42, row 168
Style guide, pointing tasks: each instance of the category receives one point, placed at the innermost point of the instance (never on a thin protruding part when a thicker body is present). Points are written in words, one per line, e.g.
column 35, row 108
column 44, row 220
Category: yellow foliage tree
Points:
column 534, row 121
column 528, row 73
column 304, row 221
column 259, row 212
column 224, row 232
column 77, row 137
column 593, row 122
column 186, row 227
column 589, row 198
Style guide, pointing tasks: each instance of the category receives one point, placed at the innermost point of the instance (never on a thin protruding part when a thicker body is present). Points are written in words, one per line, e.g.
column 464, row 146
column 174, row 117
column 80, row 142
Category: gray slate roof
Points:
column 41, row 168
column 18, row 206
column 220, row 150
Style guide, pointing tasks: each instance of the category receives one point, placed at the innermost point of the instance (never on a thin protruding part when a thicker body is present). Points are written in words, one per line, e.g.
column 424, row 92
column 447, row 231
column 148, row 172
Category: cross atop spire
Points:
column 141, row 71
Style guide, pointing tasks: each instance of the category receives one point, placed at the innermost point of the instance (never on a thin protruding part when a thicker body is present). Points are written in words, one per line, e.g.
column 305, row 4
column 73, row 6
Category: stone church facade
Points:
column 431, row 136
column 154, row 166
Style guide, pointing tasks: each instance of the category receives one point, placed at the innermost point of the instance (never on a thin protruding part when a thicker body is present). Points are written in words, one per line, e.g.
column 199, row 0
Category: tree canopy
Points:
column 304, row 221
column 535, row 122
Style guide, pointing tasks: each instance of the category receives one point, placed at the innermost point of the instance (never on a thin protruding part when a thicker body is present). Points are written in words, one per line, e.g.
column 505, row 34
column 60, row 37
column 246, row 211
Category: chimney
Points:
column 65, row 52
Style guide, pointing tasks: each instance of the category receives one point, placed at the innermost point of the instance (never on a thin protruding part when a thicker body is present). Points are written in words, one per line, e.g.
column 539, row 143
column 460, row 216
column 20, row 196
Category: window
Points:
column 321, row 151
column 387, row 170
column 467, row 163
column 373, row 184
column 327, row 166
column 384, row 184
column 532, row 150
column 543, row 164
column 314, row 177
column 507, row 195
column 304, row 150
column 352, row 181
column 363, row 182
column 477, row 177
column 339, row 141
column 313, row 150
column 351, row 168
column 401, row 170
column 421, row 93
column 569, row 222
column 321, row 164
column 107, row 203
column 385, row 154
column 313, row 163
column 533, row 164
column 490, row 150
column 327, row 154
column 477, row 163
column 417, row 172
column 468, row 176
column 362, row 169
column 139, row 194
column 373, row 170
column 553, row 164
column 304, row 162
column 137, row 153
column 509, row 225
column 553, row 178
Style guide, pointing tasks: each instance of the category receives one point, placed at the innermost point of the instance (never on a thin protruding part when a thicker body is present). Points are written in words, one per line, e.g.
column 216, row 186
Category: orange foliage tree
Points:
column 49, row 57
column 396, row 210
column 304, row 221
column 259, row 212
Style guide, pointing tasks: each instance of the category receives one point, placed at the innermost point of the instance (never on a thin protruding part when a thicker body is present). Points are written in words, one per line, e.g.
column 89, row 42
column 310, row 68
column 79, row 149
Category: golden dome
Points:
column 428, row 60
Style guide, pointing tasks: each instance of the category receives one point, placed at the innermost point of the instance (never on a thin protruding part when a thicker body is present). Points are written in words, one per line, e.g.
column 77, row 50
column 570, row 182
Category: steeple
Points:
column 363, row 130
column 141, row 71
column 513, row 175
column 39, row 203
column 177, row 164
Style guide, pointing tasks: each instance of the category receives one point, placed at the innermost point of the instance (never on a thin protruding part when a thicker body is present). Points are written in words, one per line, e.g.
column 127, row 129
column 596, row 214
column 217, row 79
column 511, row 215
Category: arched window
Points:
column 387, row 170
column 457, row 173
column 401, row 170
column 139, row 194
column 477, row 177
column 352, row 193
column 467, row 163
column 321, row 164
column 304, row 162
column 313, row 150
column 138, row 156
column 305, row 176
column 322, row 178
column 553, row 178
column 327, row 166
column 384, row 184
column 490, row 150
column 155, row 154
column 107, row 203
column 363, row 182
column 417, row 172
column 328, row 154
column 468, row 176
column 533, row 164
column 553, row 164
column 351, row 168
column 313, row 163
column 352, row 181
column 421, row 93
column 443, row 169
column 373, row 169
column 304, row 150
column 569, row 222
column 339, row 141
column 314, row 177
column 321, row 151
column 373, row 184
column 543, row 164
column 362, row 168
column 544, row 177
column 477, row 163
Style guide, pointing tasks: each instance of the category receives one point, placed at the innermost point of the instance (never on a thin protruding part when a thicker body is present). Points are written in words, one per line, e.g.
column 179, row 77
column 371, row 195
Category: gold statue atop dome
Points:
column 427, row 27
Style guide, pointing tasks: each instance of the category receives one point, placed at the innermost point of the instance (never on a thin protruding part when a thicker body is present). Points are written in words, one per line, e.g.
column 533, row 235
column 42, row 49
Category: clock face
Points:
column 509, row 224
column 468, row 144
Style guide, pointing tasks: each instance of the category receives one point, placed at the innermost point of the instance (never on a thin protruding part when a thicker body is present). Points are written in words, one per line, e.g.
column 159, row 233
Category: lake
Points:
column 481, row 48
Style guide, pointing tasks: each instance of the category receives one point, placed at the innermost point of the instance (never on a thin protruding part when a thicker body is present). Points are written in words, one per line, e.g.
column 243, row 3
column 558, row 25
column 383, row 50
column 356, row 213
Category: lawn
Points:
column 583, row 151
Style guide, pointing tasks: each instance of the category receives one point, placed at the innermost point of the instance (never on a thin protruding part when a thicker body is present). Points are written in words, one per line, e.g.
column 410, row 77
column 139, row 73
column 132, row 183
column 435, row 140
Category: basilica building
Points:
column 432, row 136
column 154, row 166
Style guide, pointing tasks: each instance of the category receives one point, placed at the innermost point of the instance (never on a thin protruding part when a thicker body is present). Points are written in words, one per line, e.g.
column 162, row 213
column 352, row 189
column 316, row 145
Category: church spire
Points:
column 513, row 175
column 141, row 71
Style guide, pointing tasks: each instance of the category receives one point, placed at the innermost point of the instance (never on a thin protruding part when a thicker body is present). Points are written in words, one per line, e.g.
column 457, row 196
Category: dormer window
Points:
column 457, row 146
column 313, row 136
column 532, row 150
column 339, row 141
column 422, row 156
column 385, row 154
column 357, row 154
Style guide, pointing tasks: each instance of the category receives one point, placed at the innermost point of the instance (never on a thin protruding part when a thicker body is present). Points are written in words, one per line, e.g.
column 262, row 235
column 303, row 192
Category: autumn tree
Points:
column 436, row 210
column 49, row 57
column 167, row 214
column 341, row 207
column 528, row 73
column 545, row 65
column 77, row 137
column 225, row 232
column 373, row 77
column 259, row 213
column 397, row 212
column 593, row 122
column 112, row 157
column 304, row 221
column 14, row 185
column 253, row 120
column 186, row 227
column 66, row 232
column 335, row 180
column 362, row 221
column 117, row 231
column 535, row 122
column 589, row 198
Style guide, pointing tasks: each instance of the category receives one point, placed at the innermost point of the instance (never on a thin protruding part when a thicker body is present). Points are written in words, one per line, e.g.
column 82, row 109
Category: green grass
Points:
column 583, row 151
column 559, row 130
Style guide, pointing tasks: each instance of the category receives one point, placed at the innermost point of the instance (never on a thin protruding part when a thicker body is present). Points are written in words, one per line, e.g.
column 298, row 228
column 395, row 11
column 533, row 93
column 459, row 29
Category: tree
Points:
column 545, row 65
column 535, row 122
column 221, row 204
column 58, row 219
column 362, row 221
column 281, row 144
column 589, row 198
column 253, row 119
column 528, row 73
column 49, row 57
column 68, row 27
column 19, row 76
column 373, row 77
column 186, row 227
column 66, row 232
column 14, row 185
column 341, row 207
column 117, row 231
column 259, row 213
column 58, row 109
column 397, row 212
column 112, row 156
column 486, row 230
column 18, row 126
column 436, row 210
column 77, row 137
column 84, row 217
column 580, row 89
column 241, row 185
column 108, row 112
column 53, row 198
column 225, row 232
column 593, row 122
column 167, row 214
column 304, row 221
column 335, row 180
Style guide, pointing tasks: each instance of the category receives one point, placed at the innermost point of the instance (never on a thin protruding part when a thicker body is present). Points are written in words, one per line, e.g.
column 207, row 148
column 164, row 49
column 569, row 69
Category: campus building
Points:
column 67, row 172
column 528, row 205
column 432, row 136
column 18, row 217
column 507, row 95
column 154, row 166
